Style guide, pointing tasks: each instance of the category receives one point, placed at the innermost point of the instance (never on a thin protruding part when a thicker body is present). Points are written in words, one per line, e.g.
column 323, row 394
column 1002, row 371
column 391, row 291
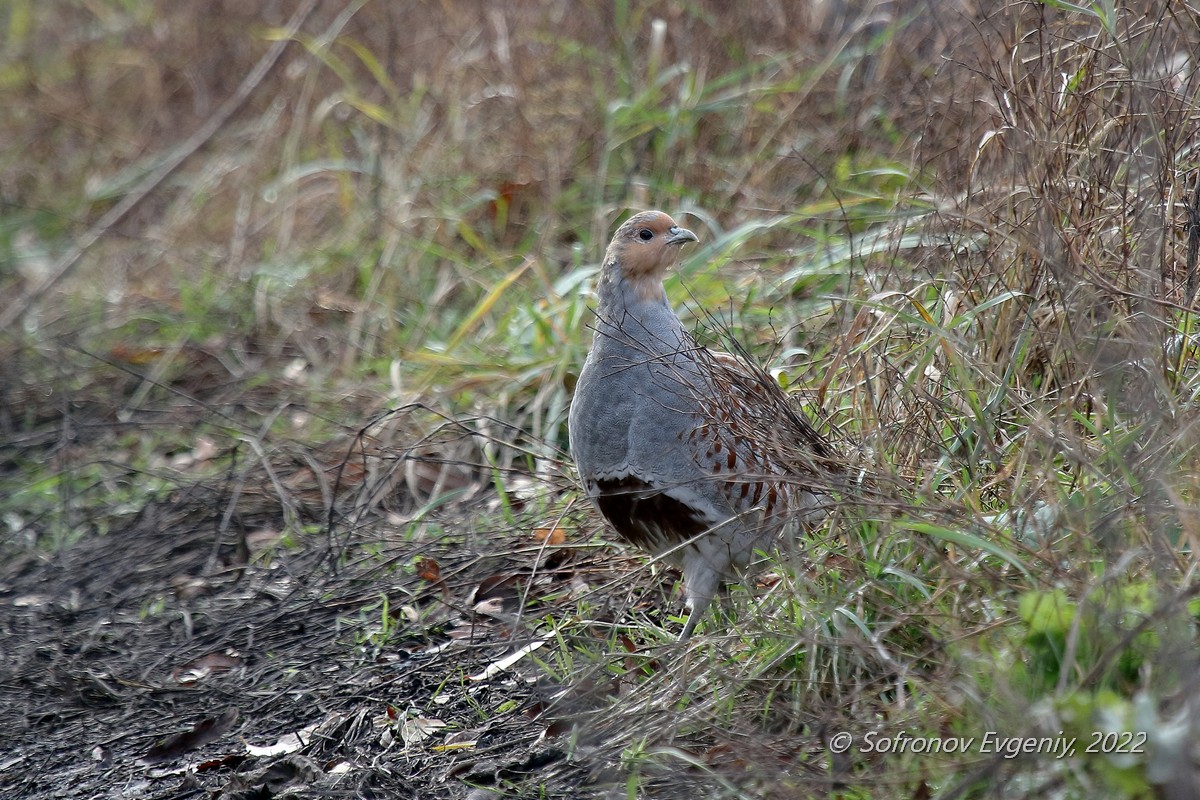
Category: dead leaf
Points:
column 31, row 600
column 205, row 666
column 203, row 732
column 291, row 776
column 493, row 608
column 501, row 585
column 262, row 539
column 550, row 536
column 187, row 587
column 414, row 731
column 429, row 570
column 138, row 356
column 288, row 743
column 204, row 451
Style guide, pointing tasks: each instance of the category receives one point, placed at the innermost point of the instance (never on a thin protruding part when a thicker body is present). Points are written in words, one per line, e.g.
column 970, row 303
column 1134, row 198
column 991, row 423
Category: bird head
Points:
column 643, row 249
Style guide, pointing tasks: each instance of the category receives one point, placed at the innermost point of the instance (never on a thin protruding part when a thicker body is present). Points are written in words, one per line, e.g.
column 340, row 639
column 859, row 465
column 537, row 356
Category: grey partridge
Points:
column 696, row 456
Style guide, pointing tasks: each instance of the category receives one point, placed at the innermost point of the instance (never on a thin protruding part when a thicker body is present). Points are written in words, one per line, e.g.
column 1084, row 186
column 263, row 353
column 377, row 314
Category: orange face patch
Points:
column 644, row 248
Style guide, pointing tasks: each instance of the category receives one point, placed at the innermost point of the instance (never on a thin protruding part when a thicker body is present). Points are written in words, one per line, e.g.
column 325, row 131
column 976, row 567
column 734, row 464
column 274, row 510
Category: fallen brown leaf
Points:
column 203, row 732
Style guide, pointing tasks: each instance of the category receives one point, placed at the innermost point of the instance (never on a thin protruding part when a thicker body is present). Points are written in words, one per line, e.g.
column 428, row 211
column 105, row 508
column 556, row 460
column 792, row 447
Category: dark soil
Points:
column 153, row 656
column 116, row 646
column 161, row 658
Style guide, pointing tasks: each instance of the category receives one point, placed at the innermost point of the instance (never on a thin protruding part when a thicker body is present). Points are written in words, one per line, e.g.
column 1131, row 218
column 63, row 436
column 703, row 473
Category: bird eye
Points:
column 646, row 234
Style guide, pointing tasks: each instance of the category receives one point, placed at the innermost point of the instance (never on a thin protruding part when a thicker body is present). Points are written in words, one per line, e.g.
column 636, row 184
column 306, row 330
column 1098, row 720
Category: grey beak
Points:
column 680, row 235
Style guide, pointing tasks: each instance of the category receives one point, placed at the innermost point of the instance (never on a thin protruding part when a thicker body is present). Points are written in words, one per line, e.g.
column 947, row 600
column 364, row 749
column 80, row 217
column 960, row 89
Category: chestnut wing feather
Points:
column 646, row 516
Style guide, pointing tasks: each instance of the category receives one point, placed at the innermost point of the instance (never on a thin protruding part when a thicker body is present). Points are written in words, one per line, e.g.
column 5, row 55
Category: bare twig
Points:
column 1193, row 244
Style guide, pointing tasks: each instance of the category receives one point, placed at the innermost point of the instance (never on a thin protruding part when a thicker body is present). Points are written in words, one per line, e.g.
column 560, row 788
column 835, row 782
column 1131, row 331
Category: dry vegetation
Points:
column 293, row 310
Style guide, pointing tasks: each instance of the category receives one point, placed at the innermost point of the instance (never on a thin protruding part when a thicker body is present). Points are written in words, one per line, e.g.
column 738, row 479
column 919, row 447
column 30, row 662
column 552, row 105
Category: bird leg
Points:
column 690, row 625
column 700, row 582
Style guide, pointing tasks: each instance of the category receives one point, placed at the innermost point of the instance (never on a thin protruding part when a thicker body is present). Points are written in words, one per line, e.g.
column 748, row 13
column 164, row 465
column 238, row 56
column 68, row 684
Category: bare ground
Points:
column 187, row 649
